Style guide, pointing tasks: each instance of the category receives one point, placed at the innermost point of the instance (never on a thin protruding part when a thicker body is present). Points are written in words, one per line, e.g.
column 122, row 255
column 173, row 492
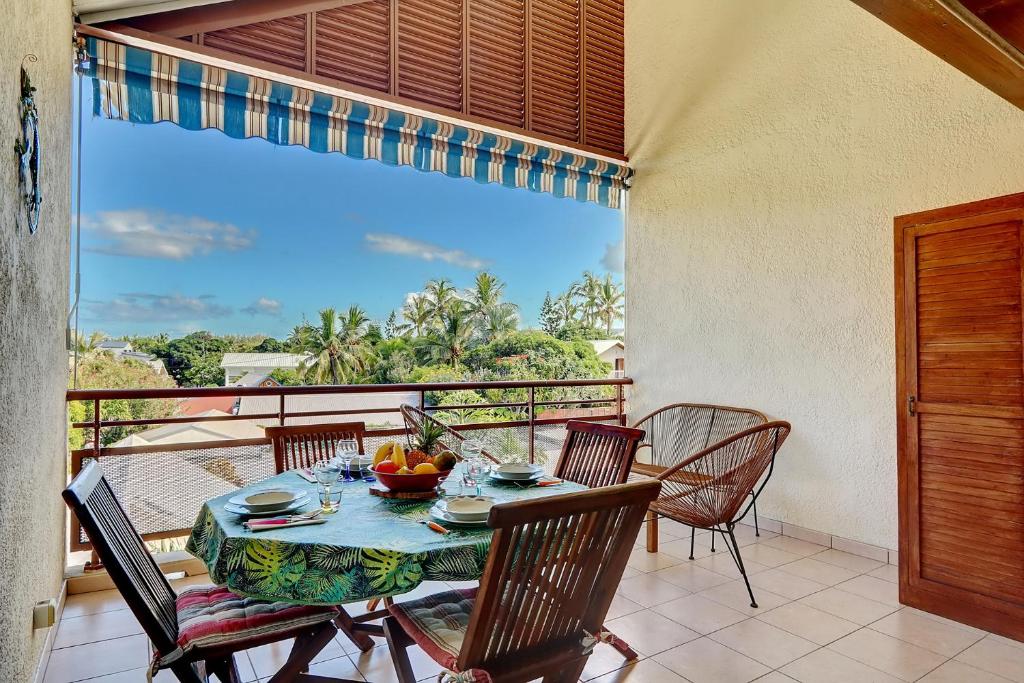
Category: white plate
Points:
column 438, row 513
column 517, row 470
column 532, row 477
column 268, row 500
column 467, row 508
column 239, row 510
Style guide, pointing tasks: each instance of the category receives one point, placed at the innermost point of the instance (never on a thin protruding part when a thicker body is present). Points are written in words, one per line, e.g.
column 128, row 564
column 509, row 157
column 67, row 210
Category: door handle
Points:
column 911, row 400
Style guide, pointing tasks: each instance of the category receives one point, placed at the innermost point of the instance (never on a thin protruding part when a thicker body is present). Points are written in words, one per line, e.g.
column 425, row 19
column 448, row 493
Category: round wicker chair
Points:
column 414, row 420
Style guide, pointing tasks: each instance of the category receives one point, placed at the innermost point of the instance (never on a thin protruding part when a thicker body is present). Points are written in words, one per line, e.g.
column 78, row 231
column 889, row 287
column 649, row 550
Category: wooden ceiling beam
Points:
column 186, row 22
column 952, row 32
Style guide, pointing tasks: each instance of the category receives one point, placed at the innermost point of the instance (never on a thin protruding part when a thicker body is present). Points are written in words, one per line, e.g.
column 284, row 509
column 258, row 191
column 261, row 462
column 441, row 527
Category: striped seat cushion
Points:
column 212, row 616
column 437, row 623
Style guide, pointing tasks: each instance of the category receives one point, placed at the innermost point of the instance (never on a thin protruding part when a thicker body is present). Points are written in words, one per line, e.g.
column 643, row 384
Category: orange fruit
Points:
column 425, row 468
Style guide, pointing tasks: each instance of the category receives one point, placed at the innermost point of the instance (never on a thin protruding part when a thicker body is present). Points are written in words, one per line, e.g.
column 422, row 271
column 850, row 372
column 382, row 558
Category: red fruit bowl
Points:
column 410, row 482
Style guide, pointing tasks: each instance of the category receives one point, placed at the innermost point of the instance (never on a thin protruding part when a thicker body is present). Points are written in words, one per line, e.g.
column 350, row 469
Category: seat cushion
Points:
column 213, row 616
column 437, row 623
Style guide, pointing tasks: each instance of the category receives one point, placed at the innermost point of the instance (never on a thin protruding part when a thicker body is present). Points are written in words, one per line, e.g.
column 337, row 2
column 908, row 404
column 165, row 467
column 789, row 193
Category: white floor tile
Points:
column 896, row 657
column 764, row 643
column 649, row 591
column 705, row 661
column 996, row 657
column 941, row 638
column 828, row 666
column 821, row 572
column 785, row 584
column 848, row 606
column 958, row 672
column 700, row 614
column 805, row 621
column 649, row 633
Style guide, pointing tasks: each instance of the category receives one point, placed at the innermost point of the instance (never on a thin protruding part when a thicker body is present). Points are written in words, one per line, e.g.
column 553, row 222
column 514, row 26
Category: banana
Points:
column 383, row 453
column 398, row 455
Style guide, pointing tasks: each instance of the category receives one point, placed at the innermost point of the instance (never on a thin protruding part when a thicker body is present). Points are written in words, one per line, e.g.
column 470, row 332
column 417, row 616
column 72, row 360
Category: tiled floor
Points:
column 824, row 616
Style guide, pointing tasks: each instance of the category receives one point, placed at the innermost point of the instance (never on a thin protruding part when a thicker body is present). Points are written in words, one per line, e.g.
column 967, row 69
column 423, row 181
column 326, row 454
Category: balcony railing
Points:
column 163, row 485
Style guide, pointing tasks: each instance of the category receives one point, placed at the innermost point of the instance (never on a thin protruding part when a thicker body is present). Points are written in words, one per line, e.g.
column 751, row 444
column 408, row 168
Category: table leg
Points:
column 357, row 628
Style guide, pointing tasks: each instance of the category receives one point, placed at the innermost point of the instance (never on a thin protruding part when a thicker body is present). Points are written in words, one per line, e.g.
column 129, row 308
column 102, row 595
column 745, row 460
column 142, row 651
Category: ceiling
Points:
column 92, row 11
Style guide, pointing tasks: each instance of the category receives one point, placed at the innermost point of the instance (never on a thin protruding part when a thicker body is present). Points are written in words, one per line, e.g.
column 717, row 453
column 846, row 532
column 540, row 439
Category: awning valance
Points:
column 142, row 86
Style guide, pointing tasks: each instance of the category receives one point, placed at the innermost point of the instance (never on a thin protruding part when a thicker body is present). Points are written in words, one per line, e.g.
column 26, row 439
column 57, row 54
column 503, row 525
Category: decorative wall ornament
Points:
column 27, row 149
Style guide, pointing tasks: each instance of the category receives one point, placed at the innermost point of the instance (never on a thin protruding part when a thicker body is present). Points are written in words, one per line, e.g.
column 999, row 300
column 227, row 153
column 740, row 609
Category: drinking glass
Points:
column 326, row 474
column 476, row 470
column 471, row 450
column 347, row 449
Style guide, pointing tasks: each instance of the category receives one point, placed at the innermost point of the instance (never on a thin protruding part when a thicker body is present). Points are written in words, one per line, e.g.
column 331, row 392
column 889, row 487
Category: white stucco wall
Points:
column 773, row 142
column 33, row 306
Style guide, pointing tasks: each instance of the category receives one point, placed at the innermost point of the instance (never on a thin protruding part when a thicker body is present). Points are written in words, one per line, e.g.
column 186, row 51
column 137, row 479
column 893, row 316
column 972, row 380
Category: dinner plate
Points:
column 467, row 508
column 439, row 513
column 268, row 500
column 240, row 510
column 517, row 471
column 533, row 477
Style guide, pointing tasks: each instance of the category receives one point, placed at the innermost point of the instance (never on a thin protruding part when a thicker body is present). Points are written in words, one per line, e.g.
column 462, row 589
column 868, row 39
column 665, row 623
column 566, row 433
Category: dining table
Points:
column 371, row 547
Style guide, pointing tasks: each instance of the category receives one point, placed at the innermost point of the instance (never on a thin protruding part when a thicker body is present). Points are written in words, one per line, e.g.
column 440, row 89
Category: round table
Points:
column 372, row 547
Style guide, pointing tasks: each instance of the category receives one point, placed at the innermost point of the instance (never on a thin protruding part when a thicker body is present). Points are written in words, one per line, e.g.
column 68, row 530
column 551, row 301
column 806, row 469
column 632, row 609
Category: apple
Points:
column 387, row 467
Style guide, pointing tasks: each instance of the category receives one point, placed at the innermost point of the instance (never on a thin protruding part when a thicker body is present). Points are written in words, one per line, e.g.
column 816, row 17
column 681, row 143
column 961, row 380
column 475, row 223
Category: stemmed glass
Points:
column 475, row 466
column 347, row 450
column 326, row 474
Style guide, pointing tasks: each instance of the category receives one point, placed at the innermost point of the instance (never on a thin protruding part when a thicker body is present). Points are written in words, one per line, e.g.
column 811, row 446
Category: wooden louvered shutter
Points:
column 555, row 62
column 960, row 378
column 603, row 59
column 429, row 52
column 281, row 41
column 353, row 44
column 497, row 60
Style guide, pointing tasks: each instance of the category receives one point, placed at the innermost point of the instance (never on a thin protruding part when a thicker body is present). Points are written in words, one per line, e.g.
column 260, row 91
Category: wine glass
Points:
column 326, row 474
column 347, row 450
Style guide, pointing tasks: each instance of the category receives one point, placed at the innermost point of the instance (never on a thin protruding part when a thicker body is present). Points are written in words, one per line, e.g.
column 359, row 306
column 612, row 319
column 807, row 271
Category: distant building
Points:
column 610, row 350
column 238, row 365
column 115, row 346
column 200, row 404
column 194, row 432
column 123, row 350
column 256, row 379
column 387, row 403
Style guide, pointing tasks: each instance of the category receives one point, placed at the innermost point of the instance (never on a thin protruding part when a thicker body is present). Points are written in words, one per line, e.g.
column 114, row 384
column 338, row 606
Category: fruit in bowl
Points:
column 412, row 471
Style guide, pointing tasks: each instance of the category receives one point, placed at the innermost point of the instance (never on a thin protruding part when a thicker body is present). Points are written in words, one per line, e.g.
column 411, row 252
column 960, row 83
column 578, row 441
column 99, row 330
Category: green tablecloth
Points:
column 371, row 547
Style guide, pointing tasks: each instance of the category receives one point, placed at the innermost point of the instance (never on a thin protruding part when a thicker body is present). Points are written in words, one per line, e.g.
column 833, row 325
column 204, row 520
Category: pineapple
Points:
column 428, row 438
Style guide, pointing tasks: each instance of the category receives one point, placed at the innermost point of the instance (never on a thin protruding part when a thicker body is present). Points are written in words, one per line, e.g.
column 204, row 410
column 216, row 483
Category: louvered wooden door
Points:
column 960, row 377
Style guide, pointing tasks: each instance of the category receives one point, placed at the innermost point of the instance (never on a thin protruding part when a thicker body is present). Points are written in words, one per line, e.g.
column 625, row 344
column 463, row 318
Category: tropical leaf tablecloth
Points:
column 371, row 547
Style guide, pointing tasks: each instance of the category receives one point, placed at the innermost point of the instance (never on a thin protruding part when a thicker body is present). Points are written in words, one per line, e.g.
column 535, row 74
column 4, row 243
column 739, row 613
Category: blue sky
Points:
column 191, row 230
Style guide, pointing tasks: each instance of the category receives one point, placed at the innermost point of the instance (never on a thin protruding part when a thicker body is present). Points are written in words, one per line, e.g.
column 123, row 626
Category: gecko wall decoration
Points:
column 27, row 149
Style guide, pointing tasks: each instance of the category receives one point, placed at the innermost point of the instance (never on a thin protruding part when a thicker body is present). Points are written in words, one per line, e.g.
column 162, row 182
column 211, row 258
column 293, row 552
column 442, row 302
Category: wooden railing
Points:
column 161, row 498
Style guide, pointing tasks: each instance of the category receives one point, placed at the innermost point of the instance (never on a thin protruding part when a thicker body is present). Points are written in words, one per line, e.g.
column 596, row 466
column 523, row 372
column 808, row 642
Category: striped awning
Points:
column 141, row 86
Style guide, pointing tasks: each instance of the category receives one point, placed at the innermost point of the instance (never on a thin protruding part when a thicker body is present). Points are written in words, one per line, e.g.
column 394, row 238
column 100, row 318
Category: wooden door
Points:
column 960, row 406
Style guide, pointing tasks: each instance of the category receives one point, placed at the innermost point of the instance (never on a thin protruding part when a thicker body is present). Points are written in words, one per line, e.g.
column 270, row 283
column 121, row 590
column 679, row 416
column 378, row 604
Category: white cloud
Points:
column 142, row 307
column 404, row 246
column 263, row 306
column 147, row 234
column 614, row 259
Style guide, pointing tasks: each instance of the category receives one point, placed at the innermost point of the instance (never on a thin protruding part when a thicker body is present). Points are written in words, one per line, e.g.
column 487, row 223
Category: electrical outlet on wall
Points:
column 44, row 614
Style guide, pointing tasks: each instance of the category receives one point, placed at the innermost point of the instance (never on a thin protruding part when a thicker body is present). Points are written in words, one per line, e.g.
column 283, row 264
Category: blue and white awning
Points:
column 137, row 85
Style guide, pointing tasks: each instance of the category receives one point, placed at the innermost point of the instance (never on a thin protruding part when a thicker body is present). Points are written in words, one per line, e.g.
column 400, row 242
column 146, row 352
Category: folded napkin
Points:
column 264, row 524
column 306, row 474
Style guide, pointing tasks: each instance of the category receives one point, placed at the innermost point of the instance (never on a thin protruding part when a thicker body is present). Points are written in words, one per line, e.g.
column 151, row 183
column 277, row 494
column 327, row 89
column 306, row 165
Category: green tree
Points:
column 417, row 314
column 338, row 346
column 550, row 319
column 610, row 302
column 199, row 349
column 454, row 333
column 85, row 344
column 441, row 295
column 104, row 371
column 498, row 320
column 391, row 326
column 269, row 345
column 566, row 308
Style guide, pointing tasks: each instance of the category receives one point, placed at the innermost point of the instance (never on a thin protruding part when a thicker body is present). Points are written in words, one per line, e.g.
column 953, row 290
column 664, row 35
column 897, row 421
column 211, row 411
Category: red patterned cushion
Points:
column 210, row 616
column 437, row 623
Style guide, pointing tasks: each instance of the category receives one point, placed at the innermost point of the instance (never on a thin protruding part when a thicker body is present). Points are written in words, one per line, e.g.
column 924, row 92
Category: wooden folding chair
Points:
column 302, row 446
column 551, row 574
column 196, row 632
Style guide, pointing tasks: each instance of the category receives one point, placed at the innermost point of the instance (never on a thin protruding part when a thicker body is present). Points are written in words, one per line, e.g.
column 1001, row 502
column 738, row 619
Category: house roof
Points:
column 113, row 344
column 201, row 404
column 262, row 360
column 252, row 379
column 195, row 432
column 93, row 11
column 602, row 345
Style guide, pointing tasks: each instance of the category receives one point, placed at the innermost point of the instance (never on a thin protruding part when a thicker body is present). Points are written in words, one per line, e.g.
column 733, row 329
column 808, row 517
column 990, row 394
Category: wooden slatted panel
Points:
column 353, row 44
column 429, row 51
column 555, row 64
column 497, row 60
column 281, row 41
column 604, row 93
column 970, row 454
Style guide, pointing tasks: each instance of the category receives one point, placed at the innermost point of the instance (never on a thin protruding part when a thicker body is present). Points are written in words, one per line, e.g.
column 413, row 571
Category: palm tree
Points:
column 324, row 343
column 610, row 302
column 83, row 344
column 450, row 341
column 417, row 314
column 498, row 320
column 441, row 294
column 486, row 294
column 356, row 352
column 588, row 291
column 567, row 308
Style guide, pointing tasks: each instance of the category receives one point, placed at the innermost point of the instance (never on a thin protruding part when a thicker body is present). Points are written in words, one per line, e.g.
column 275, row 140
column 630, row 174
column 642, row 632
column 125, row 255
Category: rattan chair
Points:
column 302, row 446
column 452, row 440
column 678, row 431
column 551, row 573
column 708, row 489
column 195, row 633
column 595, row 454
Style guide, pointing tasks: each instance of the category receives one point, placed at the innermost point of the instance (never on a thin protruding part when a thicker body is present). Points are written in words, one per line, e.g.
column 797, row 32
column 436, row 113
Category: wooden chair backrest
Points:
column 677, row 431
column 595, row 454
column 712, row 485
column 414, row 419
column 124, row 555
column 302, row 446
column 551, row 574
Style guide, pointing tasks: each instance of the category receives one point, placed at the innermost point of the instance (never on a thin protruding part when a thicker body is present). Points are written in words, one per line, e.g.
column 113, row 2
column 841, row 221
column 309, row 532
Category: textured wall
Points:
column 33, row 305
column 774, row 141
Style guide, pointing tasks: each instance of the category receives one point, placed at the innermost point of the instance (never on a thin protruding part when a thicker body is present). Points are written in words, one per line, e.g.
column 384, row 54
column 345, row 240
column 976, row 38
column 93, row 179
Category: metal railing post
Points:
column 280, row 411
column 619, row 405
column 531, row 416
column 96, row 428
